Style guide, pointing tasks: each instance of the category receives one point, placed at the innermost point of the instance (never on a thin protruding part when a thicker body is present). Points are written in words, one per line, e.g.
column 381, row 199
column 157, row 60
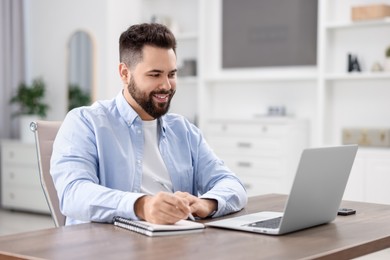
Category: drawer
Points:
column 260, row 186
column 23, row 198
column 251, row 129
column 21, row 175
column 248, row 146
column 256, row 167
column 19, row 153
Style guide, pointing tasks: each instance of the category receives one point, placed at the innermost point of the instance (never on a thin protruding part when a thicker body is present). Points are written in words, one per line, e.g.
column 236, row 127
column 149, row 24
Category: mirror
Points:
column 80, row 70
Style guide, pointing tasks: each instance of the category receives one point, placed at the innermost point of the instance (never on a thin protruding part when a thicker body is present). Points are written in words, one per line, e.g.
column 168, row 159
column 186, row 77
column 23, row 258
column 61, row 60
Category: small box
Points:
column 368, row 12
column 372, row 137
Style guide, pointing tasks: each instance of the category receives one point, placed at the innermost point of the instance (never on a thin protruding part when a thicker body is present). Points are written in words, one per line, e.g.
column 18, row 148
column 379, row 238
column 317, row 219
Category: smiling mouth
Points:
column 161, row 97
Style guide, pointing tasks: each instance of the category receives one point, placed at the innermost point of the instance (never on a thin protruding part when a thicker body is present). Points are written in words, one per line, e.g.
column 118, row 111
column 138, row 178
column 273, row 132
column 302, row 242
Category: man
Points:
column 127, row 157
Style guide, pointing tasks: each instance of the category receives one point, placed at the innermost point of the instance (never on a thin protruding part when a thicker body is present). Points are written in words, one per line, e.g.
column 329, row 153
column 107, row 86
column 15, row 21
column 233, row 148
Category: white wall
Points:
column 49, row 25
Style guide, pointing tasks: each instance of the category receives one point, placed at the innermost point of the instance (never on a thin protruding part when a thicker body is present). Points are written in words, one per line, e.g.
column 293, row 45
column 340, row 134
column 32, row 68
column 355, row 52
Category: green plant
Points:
column 30, row 99
column 388, row 52
column 77, row 97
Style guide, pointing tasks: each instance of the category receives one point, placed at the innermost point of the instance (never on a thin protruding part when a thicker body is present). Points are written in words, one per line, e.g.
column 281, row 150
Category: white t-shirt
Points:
column 155, row 176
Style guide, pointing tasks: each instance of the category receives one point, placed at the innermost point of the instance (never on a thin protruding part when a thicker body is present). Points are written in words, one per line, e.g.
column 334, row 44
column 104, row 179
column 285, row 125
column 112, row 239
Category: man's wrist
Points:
column 213, row 206
column 139, row 207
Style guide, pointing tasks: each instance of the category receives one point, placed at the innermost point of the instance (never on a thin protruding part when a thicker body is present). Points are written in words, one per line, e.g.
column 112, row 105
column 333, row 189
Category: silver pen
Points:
column 190, row 216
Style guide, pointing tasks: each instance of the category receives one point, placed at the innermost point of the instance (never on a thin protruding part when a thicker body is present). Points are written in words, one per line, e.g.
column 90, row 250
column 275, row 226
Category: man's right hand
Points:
column 162, row 208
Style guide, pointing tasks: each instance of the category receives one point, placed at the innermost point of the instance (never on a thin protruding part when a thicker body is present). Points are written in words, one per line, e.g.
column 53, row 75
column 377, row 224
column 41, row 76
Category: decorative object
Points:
column 368, row 12
column 77, row 97
column 188, row 68
column 277, row 111
column 31, row 106
column 353, row 63
column 376, row 67
column 372, row 137
column 81, row 60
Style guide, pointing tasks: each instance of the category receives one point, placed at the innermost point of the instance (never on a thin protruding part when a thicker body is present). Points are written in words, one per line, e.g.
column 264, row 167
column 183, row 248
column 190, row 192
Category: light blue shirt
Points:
column 96, row 163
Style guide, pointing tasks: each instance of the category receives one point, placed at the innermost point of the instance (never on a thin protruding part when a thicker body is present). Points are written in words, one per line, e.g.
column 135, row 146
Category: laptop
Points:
column 315, row 195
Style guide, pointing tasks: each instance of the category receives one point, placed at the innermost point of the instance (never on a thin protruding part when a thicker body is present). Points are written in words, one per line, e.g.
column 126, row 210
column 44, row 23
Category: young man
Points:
column 127, row 157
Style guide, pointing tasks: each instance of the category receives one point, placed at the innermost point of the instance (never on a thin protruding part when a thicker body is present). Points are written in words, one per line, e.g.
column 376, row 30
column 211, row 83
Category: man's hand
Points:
column 199, row 207
column 162, row 208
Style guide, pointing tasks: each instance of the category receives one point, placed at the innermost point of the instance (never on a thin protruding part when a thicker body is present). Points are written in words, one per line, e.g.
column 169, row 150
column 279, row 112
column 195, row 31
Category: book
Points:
column 150, row 229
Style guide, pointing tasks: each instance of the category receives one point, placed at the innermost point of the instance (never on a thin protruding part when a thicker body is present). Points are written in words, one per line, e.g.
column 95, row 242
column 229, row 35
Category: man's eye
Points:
column 172, row 75
column 155, row 75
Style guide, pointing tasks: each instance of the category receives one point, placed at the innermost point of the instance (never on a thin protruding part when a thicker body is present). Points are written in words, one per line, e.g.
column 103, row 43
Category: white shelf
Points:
column 247, row 78
column 360, row 24
column 358, row 76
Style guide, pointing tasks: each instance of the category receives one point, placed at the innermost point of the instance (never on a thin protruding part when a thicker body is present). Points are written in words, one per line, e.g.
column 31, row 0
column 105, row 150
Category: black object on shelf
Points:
column 353, row 63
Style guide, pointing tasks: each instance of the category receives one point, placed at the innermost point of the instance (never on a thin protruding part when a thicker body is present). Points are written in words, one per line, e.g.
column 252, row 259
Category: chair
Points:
column 45, row 133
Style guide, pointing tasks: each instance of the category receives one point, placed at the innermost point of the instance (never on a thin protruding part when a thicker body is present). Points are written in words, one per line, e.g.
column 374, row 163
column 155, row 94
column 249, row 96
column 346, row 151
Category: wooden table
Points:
column 346, row 237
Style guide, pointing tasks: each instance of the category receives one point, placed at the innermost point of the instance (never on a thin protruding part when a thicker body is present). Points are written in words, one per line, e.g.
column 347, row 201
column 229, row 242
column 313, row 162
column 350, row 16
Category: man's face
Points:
column 152, row 83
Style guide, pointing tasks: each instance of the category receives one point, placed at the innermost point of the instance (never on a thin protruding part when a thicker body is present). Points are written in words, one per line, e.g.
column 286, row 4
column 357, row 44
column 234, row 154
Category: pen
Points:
column 190, row 216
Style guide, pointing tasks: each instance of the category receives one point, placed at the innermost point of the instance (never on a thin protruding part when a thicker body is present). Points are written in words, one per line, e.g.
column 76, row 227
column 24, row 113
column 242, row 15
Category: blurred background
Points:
column 262, row 79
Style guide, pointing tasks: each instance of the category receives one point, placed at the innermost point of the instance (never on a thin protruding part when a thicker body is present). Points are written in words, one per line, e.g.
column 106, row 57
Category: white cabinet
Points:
column 370, row 177
column 264, row 153
column 358, row 99
column 20, row 184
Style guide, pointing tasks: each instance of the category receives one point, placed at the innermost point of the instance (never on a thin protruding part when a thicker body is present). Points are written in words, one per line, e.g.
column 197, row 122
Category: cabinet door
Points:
column 24, row 198
column 355, row 189
column 20, row 175
column 247, row 146
column 259, row 186
column 19, row 153
column 378, row 180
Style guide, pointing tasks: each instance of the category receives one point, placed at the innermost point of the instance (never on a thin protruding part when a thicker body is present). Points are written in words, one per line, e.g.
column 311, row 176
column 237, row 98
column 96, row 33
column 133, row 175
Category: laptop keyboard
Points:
column 269, row 223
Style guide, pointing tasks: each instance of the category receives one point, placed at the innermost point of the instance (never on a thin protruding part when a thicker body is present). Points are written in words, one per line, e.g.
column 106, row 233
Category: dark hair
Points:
column 132, row 41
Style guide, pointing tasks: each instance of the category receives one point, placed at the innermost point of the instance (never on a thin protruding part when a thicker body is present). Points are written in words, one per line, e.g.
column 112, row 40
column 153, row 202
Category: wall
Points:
column 49, row 25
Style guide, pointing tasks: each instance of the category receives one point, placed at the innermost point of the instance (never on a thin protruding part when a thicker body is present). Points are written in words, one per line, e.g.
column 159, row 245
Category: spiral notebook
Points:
column 149, row 229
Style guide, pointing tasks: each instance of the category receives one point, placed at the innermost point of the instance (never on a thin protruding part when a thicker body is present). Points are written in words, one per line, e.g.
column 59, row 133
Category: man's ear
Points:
column 124, row 73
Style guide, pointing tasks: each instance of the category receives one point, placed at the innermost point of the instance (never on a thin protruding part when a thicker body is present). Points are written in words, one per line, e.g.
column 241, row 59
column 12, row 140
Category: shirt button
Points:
column 139, row 161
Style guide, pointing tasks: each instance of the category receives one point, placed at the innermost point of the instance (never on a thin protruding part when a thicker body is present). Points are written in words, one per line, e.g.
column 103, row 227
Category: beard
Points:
column 146, row 101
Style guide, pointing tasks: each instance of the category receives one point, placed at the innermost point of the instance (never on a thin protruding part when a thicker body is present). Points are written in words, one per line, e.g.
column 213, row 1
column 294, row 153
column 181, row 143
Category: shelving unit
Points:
column 352, row 99
column 325, row 95
column 358, row 99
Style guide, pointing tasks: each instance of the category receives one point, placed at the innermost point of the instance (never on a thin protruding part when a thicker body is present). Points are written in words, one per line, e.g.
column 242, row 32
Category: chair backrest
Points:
column 45, row 133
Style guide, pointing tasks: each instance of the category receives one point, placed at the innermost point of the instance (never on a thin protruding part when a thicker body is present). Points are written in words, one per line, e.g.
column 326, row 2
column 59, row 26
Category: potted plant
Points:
column 77, row 97
column 387, row 60
column 31, row 106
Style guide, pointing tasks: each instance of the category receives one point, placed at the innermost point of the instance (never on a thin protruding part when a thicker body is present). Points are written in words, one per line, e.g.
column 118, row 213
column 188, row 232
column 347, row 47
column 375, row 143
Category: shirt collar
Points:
column 129, row 115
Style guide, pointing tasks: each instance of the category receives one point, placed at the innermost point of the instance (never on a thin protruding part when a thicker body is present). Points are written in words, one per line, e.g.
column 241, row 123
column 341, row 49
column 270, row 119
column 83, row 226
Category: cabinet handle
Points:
column 11, row 175
column 244, row 145
column 244, row 164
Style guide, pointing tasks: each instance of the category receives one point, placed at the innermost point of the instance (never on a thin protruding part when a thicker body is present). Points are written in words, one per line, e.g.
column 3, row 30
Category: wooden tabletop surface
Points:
column 346, row 237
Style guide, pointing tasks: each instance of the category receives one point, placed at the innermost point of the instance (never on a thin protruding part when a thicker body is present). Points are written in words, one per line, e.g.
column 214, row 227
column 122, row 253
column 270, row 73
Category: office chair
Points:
column 45, row 133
